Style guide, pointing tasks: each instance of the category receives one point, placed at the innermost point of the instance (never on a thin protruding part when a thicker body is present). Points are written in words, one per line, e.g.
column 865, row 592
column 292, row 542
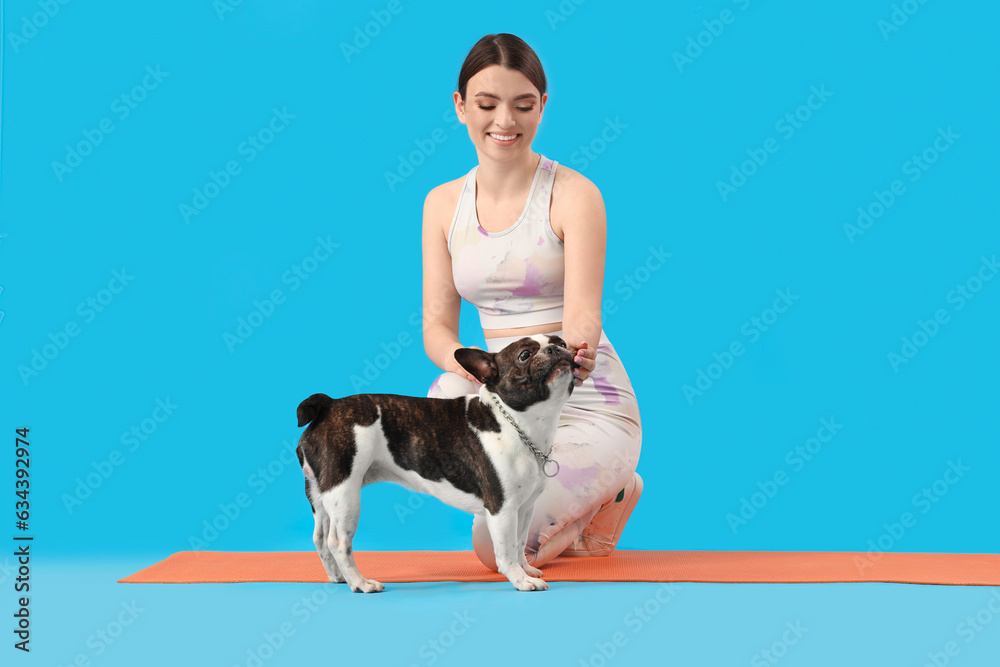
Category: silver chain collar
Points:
column 547, row 459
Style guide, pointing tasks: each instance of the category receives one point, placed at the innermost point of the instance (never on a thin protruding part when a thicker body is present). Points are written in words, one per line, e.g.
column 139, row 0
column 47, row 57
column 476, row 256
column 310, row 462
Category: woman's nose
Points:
column 505, row 118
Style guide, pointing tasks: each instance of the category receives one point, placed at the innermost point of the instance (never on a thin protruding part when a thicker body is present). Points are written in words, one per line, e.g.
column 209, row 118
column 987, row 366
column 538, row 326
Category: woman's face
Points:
column 500, row 103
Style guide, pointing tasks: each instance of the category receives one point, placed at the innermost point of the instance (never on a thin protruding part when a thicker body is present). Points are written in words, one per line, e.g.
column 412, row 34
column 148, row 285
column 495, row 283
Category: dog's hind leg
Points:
column 343, row 505
column 320, row 540
column 322, row 519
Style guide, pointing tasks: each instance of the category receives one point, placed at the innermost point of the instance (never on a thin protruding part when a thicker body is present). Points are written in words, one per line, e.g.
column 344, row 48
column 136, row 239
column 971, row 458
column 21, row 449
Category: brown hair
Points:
column 503, row 49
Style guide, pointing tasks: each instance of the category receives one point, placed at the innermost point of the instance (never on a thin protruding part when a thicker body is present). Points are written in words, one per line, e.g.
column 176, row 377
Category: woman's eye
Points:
column 524, row 355
column 494, row 107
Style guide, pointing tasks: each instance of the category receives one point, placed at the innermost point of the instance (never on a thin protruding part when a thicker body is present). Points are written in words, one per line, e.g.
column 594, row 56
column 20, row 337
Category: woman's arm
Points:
column 579, row 212
column 441, row 301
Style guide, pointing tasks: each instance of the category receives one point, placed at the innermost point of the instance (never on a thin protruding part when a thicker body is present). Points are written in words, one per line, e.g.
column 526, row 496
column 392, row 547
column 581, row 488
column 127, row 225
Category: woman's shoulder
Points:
column 440, row 203
column 571, row 181
column 574, row 197
column 447, row 190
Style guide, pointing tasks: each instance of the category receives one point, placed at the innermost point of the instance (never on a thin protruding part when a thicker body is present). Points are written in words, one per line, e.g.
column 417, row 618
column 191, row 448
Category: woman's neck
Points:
column 505, row 180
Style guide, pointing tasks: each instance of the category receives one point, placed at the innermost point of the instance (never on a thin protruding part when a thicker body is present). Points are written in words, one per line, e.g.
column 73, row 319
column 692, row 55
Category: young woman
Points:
column 524, row 242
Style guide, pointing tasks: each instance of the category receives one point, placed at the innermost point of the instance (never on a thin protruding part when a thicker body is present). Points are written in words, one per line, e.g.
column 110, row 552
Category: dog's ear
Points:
column 481, row 364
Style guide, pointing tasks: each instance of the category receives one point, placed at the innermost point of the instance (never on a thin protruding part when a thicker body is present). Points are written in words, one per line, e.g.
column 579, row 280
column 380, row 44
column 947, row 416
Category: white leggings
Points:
column 597, row 442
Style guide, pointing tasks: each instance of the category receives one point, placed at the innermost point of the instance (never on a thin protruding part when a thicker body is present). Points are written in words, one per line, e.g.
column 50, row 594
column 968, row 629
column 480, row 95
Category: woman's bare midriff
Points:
column 523, row 331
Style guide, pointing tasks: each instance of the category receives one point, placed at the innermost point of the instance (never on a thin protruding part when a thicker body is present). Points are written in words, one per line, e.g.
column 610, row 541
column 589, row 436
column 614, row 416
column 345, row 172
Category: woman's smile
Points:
column 506, row 139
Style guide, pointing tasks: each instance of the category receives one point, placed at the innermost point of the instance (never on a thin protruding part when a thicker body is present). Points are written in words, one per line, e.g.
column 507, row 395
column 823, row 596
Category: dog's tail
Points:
column 313, row 408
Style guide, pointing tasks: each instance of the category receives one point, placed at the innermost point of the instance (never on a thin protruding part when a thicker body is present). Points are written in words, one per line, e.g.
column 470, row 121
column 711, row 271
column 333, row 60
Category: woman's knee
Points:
column 482, row 544
column 451, row 385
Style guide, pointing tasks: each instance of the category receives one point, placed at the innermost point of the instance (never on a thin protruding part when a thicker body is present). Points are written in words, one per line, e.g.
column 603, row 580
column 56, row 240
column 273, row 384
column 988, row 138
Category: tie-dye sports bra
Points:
column 515, row 276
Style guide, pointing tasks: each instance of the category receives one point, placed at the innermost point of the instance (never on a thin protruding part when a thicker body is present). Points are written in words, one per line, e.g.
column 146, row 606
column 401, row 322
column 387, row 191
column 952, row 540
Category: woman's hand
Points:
column 586, row 357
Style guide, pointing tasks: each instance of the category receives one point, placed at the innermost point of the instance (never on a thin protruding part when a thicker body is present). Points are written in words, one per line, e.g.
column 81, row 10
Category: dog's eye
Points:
column 562, row 344
column 524, row 355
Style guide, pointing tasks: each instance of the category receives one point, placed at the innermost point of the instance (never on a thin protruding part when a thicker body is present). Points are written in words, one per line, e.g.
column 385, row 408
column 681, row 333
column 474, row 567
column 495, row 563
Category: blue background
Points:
column 685, row 125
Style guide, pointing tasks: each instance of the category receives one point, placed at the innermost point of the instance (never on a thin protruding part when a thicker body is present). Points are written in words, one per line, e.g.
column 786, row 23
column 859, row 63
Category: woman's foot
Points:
column 558, row 543
column 551, row 548
column 600, row 537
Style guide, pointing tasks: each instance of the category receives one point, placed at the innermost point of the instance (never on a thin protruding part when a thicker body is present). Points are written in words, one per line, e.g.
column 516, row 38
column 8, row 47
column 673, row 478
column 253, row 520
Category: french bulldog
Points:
column 486, row 454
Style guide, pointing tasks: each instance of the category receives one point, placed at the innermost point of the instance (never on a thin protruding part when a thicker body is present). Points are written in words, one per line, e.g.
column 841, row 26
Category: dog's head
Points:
column 529, row 371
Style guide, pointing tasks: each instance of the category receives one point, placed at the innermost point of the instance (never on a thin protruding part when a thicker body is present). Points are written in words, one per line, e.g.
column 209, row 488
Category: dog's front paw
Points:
column 369, row 586
column 531, row 584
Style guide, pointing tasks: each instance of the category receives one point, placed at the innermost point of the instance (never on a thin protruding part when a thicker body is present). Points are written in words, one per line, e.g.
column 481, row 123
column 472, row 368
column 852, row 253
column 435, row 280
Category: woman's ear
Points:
column 459, row 107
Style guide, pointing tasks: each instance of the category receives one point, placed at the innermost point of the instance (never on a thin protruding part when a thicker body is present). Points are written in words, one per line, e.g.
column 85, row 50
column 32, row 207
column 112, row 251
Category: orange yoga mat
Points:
column 191, row 567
